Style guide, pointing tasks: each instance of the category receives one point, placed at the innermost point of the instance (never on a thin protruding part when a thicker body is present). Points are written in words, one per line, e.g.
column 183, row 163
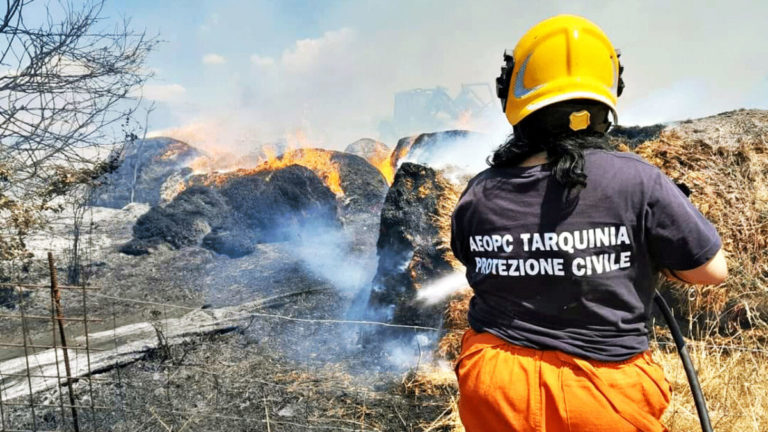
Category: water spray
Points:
column 442, row 288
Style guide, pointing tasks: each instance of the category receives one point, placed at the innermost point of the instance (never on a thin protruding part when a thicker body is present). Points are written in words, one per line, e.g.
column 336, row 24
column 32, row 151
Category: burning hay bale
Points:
column 429, row 146
column 454, row 152
column 230, row 215
column 148, row 170
column 358, row 184
column 276, row 202
column 411, row 246
column 425, row 148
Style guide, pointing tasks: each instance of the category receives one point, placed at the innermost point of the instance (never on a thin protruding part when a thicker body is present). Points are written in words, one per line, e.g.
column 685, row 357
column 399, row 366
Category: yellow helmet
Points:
column 561, row 58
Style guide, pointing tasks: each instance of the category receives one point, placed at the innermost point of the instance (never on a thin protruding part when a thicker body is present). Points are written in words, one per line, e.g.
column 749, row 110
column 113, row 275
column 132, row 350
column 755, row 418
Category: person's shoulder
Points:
column 476, row 181
column 482, row 176
column 608, row 159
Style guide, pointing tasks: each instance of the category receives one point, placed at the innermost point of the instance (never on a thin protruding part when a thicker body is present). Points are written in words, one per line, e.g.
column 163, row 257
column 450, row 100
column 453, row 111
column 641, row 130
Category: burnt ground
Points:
column 300, row 375
column 232, row 383
column 303, row 375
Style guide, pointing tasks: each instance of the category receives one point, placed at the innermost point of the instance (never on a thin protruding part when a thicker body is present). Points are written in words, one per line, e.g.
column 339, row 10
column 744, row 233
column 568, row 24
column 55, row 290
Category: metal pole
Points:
column 26, row 358
column 56, row 295
column 2, row 412
column 690, row 372
column 88, row 356
column 56, row 358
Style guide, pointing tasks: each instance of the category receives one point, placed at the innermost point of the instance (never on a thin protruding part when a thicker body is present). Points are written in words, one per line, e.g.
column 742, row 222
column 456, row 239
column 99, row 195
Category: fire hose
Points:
column 690, row 372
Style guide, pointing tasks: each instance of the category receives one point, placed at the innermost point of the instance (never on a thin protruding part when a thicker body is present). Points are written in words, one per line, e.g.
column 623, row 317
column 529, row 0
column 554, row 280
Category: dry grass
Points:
column 435, row 380
column 733, row 377
column 734, row 383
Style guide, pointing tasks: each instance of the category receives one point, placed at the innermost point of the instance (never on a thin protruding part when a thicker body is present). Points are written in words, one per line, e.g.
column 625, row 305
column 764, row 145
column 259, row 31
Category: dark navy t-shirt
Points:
column 577, row 273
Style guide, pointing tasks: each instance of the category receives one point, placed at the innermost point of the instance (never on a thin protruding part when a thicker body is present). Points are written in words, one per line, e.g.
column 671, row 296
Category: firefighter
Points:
column 563, row 239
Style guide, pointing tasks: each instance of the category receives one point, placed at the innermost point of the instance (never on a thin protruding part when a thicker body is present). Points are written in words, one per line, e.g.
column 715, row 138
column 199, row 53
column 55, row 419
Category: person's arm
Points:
column 682, row 242
column 712, row 272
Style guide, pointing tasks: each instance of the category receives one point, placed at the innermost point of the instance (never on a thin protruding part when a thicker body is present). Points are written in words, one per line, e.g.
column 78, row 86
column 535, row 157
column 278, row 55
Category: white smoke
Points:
column 402, row 354
column 325, row 252
column 463, row 156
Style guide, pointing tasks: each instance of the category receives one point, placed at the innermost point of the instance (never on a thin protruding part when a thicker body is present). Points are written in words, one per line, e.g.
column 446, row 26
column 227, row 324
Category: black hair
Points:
column 548, row 129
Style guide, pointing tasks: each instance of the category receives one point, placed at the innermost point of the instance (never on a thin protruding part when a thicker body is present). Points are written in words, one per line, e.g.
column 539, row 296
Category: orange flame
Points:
column 387, row 165
column 398, row 155
column 218, row 167
column 385, row 168
column 317, row 160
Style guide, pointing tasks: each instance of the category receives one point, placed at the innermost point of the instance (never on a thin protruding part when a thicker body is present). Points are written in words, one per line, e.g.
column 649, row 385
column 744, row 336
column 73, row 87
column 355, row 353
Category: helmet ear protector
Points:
column 620, row 84
column 505, row 78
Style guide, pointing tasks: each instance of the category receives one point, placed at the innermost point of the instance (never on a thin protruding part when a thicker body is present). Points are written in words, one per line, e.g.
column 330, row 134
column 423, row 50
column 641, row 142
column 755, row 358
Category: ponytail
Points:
column 547, row 130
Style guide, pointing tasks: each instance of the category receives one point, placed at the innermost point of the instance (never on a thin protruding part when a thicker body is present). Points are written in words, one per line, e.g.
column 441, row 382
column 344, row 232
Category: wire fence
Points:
column 63, row 367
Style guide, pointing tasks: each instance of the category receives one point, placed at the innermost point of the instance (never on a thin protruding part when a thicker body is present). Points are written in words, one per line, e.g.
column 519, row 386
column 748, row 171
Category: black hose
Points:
column 693, row 379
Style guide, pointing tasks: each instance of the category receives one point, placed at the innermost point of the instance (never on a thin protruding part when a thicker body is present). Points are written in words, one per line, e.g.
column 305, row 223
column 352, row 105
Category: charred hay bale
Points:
column 723, row 160
column 145, row 169
column 411, row 246
column 358, row 184
column 633, row 136
column 234, row 242
column 295, row 198
column 245, row 195
column 363, row 184
column 183, row 222
column 230, row 214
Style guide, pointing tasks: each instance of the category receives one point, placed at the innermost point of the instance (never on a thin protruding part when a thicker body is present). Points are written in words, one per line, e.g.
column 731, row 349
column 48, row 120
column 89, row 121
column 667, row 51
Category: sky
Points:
column 237, row 74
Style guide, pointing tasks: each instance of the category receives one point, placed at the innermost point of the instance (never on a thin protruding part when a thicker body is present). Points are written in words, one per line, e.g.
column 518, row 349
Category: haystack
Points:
column 411, row 246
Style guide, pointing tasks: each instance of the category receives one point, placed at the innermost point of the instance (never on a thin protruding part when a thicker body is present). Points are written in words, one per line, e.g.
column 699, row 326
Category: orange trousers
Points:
column 505, row 387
